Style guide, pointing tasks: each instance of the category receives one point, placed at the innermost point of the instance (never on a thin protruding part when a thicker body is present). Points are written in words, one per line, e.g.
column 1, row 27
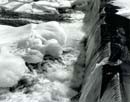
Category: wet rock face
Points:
column 106, row 53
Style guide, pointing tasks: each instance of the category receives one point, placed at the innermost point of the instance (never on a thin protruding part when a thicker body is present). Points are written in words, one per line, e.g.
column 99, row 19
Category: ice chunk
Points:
column 12, row 68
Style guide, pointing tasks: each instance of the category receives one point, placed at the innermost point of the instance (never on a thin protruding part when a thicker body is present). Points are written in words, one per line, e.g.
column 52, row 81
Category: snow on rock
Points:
column 39, row 7
column 55, row 4
column 25, row 8
column 12, row 68
column 12, row 4
column 34, row 8
column 47, row 3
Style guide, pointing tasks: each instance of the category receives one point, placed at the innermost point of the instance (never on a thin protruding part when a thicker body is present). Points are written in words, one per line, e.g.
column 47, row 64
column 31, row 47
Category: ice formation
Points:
column 33, row 56
column 47, row 38
column 31, row 43
column 12, row 68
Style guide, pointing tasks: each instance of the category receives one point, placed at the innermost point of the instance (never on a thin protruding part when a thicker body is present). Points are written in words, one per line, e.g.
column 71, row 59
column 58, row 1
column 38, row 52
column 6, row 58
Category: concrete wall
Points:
column 92, row 59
